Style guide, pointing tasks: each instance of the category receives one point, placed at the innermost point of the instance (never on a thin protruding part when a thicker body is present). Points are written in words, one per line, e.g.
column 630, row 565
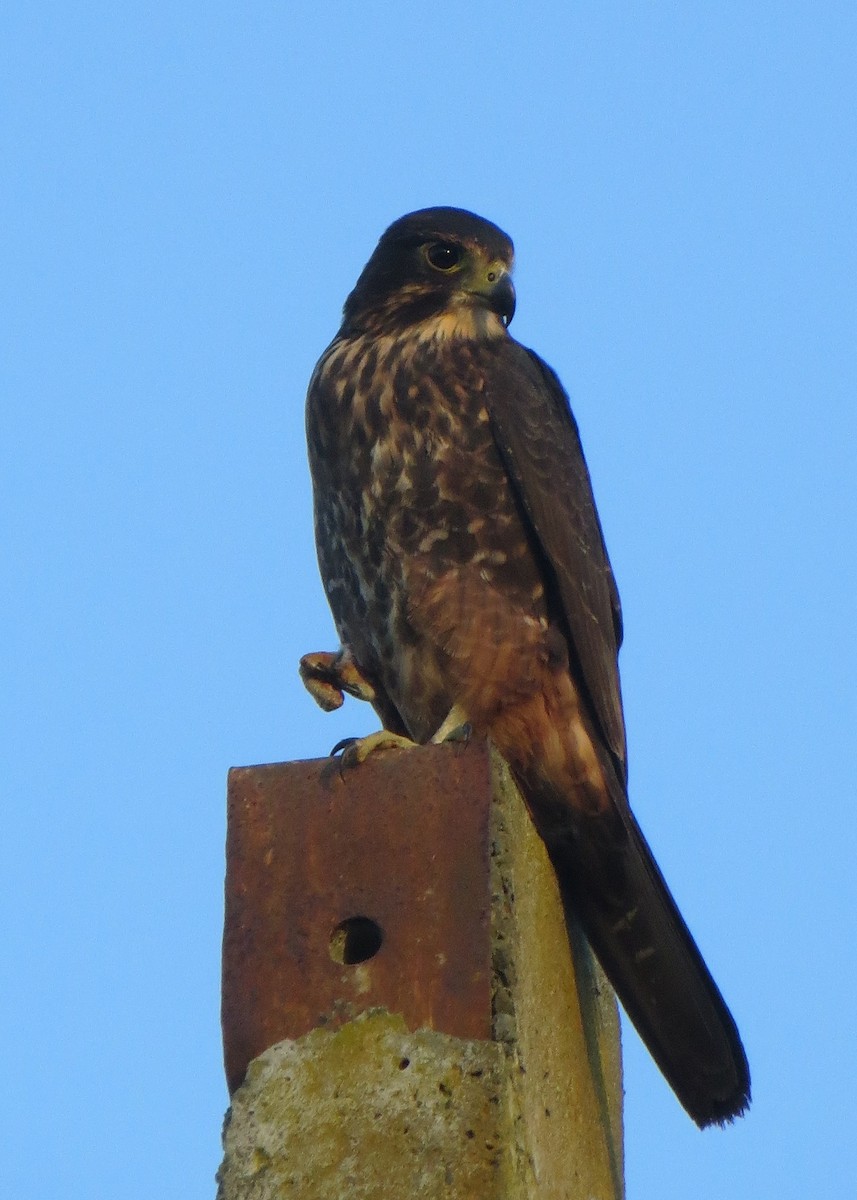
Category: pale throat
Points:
column 461, row 320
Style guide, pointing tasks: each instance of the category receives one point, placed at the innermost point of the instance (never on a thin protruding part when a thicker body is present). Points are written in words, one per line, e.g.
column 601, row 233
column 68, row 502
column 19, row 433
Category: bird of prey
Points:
column 466, row 569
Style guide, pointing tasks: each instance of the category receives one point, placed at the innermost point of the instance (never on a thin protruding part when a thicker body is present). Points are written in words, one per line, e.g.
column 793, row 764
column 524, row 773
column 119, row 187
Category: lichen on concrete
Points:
column 370, row 1110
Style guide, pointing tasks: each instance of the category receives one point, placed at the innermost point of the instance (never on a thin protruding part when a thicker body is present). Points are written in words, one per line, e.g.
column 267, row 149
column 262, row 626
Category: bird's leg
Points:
column 327, row 675
column 454, row 728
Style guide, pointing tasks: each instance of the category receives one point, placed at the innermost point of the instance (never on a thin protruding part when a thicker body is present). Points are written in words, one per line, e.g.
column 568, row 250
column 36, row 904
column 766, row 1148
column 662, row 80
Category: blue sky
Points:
column 189, row 193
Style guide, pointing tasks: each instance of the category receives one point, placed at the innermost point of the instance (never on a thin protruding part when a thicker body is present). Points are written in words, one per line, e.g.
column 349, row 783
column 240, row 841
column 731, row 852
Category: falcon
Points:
column 465, row 566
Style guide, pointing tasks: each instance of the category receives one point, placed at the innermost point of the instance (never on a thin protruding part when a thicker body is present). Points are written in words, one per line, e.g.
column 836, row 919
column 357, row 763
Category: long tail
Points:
column 609, row 879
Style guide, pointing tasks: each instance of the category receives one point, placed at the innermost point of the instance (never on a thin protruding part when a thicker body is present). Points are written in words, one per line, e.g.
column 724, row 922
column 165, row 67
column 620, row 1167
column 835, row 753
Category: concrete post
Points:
column 405, row 1013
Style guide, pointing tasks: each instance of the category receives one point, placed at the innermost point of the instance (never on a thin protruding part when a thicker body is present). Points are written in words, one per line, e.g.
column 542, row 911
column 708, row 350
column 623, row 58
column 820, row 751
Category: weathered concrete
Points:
column 557, row 1015
column 372, row 1109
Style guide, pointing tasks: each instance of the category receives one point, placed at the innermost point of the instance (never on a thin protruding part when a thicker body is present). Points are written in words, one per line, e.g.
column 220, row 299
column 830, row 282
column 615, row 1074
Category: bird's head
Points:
column 443, row 263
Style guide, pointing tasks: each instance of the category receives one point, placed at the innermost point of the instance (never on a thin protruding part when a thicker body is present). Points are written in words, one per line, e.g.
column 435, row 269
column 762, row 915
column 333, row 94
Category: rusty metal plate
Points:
column 349, row 891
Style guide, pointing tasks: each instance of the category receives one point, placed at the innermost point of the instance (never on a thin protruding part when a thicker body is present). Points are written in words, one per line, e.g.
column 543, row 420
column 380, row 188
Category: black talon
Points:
column 343, row 745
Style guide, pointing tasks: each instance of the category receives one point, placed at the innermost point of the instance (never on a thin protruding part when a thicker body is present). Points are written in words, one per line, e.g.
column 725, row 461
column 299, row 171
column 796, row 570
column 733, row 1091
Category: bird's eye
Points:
column 443, row 256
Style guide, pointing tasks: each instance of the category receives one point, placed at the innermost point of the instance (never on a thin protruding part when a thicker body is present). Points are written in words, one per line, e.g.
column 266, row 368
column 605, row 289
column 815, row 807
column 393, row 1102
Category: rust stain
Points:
column 401, row 842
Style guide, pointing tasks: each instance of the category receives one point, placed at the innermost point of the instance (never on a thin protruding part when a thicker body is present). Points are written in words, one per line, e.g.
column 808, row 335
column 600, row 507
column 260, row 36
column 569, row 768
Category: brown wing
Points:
column 537, row 437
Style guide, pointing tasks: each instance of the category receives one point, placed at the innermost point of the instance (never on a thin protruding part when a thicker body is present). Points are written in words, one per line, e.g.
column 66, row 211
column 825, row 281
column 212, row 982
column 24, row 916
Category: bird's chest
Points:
column 403, row 457
column 417, row 526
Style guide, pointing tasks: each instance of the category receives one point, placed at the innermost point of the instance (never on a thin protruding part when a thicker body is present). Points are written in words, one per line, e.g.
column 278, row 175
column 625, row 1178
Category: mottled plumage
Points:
column 466, row 570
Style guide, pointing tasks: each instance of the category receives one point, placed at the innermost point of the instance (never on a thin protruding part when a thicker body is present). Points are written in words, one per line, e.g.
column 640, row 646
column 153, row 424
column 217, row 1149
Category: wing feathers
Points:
column 537, row 438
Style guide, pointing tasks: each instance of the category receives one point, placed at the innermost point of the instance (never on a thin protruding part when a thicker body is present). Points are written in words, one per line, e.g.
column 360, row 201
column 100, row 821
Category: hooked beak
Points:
column 501, row 297
column 493, row 285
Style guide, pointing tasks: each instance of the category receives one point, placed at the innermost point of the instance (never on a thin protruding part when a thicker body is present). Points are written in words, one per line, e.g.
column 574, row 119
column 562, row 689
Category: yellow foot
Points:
column 357, row 750
column 327, row 675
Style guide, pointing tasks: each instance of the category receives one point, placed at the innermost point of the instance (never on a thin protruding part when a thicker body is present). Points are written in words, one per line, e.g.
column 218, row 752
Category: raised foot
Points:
column 356, row 750
column 326, row 675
